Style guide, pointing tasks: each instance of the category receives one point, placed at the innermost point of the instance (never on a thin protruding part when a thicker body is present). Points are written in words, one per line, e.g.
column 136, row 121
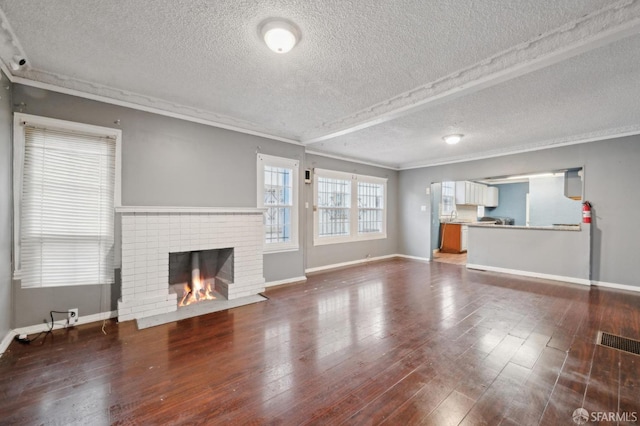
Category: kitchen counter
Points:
column 544, row 228
column 470, row 222
column 532, row 251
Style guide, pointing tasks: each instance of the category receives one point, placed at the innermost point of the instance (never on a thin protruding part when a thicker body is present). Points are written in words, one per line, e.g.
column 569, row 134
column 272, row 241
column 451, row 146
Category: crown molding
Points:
column 604, row 26
column 81, row 86
column 349, row 159
column 160, row 107
column 539, row 146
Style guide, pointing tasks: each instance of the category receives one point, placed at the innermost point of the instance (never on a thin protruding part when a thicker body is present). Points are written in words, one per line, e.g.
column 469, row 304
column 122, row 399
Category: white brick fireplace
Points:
column 149, row 234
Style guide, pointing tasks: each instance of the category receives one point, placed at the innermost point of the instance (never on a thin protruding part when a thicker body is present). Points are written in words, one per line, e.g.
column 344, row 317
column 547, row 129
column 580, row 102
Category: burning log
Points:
column 196, row 290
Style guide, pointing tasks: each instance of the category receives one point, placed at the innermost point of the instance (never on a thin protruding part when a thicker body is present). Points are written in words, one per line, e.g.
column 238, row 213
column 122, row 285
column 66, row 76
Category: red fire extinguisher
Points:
column 586, row 212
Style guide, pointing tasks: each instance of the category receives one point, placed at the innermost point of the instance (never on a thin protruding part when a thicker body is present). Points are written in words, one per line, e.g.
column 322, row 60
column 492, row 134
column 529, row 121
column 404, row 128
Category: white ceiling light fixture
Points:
column 452, row 139
column 280, row 35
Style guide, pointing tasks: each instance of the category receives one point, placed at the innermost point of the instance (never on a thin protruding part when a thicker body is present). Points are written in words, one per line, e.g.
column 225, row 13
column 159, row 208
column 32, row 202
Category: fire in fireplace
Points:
column 197, row 290
column 195, row 275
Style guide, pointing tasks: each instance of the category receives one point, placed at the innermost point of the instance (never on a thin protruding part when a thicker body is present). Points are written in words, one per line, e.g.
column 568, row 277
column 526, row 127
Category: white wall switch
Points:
column 423, row 208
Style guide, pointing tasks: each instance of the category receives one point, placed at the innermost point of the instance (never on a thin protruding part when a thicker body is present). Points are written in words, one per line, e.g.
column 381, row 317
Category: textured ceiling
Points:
column 591, row 96
column 374, row 81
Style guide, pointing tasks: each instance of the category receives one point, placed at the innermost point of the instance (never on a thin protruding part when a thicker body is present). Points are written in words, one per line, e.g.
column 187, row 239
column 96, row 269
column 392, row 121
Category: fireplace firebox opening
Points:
column 201, row 275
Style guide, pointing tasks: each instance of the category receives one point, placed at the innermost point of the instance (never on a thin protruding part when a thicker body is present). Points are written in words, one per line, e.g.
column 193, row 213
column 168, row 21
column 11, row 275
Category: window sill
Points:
column 281, row 249
column 341, row 240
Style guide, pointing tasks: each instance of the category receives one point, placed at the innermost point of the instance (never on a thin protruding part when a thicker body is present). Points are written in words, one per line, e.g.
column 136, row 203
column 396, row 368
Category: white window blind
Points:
column 67, row 208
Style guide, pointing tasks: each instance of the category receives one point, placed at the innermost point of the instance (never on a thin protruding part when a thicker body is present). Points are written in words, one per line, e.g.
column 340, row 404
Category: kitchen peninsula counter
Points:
column 560, row 252
column 544, row 228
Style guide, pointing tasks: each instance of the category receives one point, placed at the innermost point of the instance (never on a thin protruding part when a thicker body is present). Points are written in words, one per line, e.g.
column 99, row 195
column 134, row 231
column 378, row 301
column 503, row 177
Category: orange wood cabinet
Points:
column 451, row 238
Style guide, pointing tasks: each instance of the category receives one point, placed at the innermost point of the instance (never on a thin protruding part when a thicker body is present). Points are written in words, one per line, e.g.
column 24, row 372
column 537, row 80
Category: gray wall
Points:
column 6, row 206
column 329, row 254
column 512, row 202
column 165, row 162
column 611, row 183
column 548, row 205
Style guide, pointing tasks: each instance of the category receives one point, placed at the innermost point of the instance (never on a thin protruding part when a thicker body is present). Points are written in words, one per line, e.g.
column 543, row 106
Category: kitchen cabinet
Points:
column 454, row 238
column 470, row 193
column 463, row 192
column 482, row 193
column 491, row 197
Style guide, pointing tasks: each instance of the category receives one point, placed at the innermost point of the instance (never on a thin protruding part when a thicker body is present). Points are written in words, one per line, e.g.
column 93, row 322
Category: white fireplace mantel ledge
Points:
column 170, row 209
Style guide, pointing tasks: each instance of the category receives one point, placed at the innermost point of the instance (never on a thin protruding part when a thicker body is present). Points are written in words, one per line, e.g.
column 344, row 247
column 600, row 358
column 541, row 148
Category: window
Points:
column 66, row 187
column 448, row 199
column 334, row 206
column 348, row 207
column 278, row 193
column 370, row 207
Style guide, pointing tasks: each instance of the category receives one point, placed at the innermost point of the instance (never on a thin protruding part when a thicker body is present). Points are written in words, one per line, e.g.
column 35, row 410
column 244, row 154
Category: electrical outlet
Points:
column 72, row 316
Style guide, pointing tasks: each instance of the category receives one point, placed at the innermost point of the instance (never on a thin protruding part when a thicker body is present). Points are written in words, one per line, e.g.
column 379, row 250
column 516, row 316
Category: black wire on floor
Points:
column 27, row 340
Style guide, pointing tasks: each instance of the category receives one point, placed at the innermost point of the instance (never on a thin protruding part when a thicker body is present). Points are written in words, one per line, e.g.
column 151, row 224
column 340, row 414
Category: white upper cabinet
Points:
column 462, row 192
column 470, row 193
column 491, row 197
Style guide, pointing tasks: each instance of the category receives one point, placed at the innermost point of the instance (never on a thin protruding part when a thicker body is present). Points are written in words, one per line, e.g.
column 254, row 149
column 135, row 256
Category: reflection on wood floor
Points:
column 455, row 259
column 398, row 342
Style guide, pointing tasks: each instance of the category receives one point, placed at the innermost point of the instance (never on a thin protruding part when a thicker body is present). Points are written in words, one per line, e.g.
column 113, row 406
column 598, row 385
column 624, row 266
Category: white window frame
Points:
column 19, row 120
column 446, row 214
column 288, row 163
column 354, row 235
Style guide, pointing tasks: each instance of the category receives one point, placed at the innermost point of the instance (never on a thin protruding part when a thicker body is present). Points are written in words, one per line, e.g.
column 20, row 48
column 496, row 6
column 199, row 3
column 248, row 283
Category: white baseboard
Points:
column 616, row 286
column 63, row 323
column 350, row 263
column 6, row 341
column 285, row 281
column 406, row 256
column 573, row 280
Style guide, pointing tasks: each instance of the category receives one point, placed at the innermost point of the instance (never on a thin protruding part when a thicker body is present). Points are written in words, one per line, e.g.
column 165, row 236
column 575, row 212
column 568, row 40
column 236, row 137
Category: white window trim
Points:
column 19, row 119
column 270, row 160
column 353, row 213
column 441, row 214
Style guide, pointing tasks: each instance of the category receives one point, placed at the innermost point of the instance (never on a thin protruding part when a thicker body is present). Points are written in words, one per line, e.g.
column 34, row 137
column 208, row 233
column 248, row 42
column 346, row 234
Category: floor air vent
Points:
column 618, row 342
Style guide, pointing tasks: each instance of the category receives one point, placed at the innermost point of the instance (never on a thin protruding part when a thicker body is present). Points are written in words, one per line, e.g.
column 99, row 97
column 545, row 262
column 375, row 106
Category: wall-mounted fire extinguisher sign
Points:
column 586, row 212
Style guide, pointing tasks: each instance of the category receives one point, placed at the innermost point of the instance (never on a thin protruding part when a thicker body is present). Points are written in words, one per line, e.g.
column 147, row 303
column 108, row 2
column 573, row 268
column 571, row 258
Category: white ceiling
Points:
column 378, row 81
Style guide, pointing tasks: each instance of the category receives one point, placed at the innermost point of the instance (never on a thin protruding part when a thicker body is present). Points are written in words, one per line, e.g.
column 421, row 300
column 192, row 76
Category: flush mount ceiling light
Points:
column 452, row 139
column 279, row 35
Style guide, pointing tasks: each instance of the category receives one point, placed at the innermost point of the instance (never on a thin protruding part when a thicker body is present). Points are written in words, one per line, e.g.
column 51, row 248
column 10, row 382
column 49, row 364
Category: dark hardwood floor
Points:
column 392, row 342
